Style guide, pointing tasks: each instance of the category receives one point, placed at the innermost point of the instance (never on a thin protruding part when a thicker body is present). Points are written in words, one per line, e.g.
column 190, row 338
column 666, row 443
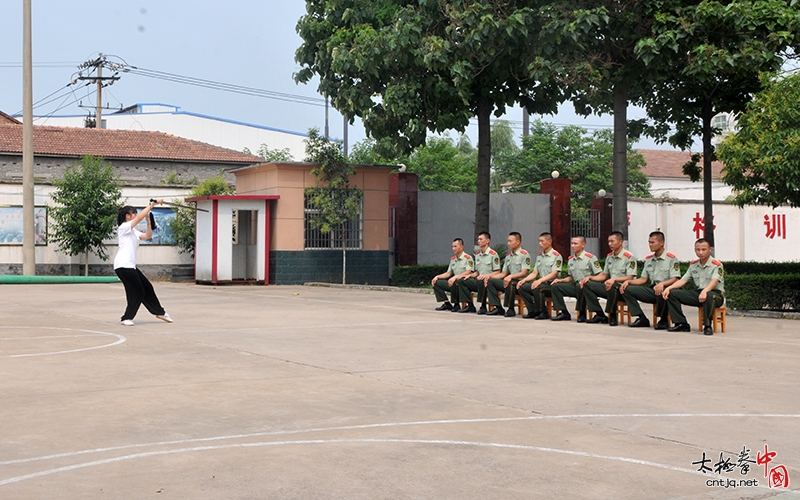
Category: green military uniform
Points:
column 458, row 264
column 700, row 275
column 485, row 263
column 656, row 269
column 623, row 264
column 514, row 263
column 545, row 264
column 580, row 266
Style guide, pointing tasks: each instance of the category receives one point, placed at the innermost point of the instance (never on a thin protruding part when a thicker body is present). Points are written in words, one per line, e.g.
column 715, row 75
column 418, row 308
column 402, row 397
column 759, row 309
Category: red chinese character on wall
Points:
column 775, row 225
column 779, row 477
column 700, row 226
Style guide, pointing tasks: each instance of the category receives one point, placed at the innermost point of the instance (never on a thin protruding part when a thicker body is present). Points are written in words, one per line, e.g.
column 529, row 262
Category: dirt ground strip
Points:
column 291, row 392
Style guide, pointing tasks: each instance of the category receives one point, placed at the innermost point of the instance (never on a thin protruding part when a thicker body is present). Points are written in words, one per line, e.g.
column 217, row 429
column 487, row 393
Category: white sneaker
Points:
column 165, row 317
column 126, row 322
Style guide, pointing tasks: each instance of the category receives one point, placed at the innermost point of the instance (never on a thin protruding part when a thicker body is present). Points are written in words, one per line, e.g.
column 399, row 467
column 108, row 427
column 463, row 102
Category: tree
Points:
column 587, row 160
column 335, row 200
column 87, row 200
column 715, row 51
column 272, row 155
column 595, row 41
column 409, row 67
column 183, row 225
column 762, row 160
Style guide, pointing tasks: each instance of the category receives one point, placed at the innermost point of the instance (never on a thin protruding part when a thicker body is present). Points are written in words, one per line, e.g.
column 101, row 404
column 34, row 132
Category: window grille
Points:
column 315, row 239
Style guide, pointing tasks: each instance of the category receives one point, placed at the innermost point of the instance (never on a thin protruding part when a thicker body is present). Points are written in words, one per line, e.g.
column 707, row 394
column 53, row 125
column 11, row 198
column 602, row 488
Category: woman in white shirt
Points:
column 138, row 288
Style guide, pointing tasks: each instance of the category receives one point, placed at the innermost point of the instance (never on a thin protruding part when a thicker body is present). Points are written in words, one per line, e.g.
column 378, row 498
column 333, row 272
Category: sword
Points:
column 178, row 205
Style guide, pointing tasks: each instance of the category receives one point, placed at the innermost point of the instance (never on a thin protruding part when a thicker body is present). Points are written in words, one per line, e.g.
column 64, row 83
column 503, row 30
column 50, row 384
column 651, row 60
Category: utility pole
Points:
column 101, row 82
column 28, row 238
column 526, row 120
column 344, row 137
column 327, row 134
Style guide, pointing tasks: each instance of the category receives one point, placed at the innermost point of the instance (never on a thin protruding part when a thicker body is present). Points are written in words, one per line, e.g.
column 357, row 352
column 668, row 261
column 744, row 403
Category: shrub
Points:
column 763, row 291
column 415, row 276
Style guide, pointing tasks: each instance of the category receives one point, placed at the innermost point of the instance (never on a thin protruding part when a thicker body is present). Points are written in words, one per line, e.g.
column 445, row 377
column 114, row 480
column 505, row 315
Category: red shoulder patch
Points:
column 539, row 254
column 649, row 256
column 508, row 253
column 523, row 251
column 468, row 256
column 695, row 261
column 671, row 255
column 492, row 252
column 571, row 257
column 453, row 257
column 628, row 254
column 555, row 252
column 610, row 254
column 716, row 262
column 587, row 254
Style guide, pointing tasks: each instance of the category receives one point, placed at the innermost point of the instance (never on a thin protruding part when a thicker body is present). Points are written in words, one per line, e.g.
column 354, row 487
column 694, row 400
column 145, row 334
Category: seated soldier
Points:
column 546, row 269
column 461, row 266
column 516, row 266
column 487, row 265
column 620, row 267
column 661, row 269
column 706, row 274
column 582, row 265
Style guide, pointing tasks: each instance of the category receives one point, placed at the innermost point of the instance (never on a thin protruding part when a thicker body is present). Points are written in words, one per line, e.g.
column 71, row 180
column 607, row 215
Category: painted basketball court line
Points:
column 194, row 449
column 92, row 333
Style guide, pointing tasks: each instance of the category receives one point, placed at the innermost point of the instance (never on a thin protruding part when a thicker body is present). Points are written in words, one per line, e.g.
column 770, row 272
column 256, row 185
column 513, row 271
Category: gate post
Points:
column 604, row 206
column 560, row 211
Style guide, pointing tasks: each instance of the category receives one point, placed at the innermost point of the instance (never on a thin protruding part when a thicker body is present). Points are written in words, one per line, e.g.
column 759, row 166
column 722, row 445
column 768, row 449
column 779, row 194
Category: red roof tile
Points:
column 119, row 144
column 666, row 163
column 7, row 119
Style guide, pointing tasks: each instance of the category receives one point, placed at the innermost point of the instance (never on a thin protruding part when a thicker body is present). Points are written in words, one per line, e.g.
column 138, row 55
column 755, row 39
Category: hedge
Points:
column 415, row 276
column 771, row 292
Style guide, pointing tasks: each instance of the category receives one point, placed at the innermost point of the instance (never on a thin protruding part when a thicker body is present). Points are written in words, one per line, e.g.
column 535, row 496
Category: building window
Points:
column 317, row 240
column 721, row 122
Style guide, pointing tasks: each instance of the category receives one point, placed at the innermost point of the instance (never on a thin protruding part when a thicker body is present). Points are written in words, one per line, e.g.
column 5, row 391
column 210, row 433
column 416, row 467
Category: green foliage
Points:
column 763, row 291
column 584, row 159
column 442, row 166
column 183, row 224
column 334, row 198
column 409, row 67
column 761, row 268
column 272, row 155
column 762, row 160
column 415, row 276
column 173, row 179
column 87, row 200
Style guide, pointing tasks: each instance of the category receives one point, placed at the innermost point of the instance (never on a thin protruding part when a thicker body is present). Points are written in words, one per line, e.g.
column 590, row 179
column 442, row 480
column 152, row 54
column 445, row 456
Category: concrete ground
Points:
column 293, row 392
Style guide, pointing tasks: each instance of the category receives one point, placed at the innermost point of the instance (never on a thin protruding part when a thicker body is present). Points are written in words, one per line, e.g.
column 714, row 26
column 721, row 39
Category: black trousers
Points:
column 138, row 291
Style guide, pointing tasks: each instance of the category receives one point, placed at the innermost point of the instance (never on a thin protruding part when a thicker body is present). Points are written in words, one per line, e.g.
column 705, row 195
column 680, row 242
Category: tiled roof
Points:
column 119, row 144
column 7, row 119
column 666, row 163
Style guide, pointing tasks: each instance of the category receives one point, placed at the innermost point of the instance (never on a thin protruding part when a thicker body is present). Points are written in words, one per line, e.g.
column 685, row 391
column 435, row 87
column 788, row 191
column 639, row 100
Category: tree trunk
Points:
column 620, row 179
column 86, row 266
column 344, row 254
column 708, row 155
column 484, row 167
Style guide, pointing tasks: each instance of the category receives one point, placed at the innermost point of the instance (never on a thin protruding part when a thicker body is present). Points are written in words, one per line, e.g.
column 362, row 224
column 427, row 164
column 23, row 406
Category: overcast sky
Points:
column 249, row 43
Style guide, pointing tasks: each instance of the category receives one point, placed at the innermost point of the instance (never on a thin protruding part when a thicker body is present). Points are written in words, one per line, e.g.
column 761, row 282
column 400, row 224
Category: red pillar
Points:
column 604, row 205
column 403, row 199
column 560, row 211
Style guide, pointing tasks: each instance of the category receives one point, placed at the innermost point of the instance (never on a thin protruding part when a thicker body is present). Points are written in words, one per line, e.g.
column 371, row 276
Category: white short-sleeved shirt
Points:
column 128, row 238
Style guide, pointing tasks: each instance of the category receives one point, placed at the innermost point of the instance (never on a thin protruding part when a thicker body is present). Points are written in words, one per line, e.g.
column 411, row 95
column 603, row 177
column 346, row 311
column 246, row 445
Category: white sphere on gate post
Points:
column 555, row 174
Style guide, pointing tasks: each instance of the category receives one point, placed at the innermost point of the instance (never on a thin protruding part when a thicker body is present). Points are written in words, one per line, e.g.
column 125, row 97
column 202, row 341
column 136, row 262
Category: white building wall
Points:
column 741, row 234
column 11, row 194
column 685, row 189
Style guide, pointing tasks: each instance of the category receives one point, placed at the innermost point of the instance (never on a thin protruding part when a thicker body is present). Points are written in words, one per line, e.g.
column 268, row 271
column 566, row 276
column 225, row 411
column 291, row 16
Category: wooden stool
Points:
column 548, row 305
column 520, row 303
column 718, row 318
column 622, row 312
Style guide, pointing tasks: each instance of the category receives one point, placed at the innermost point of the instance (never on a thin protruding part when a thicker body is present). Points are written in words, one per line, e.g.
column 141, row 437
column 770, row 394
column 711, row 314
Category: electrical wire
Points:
column 227, row 87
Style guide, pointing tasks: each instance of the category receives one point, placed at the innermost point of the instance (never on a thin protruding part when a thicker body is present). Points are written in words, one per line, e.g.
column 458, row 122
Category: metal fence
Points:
column 586, row 224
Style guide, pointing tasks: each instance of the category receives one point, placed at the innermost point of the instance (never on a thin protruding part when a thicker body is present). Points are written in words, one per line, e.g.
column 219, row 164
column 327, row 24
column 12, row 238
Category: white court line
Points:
column 349, row 441
column 120, row 340
column 397, row 424
column 51, row 337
